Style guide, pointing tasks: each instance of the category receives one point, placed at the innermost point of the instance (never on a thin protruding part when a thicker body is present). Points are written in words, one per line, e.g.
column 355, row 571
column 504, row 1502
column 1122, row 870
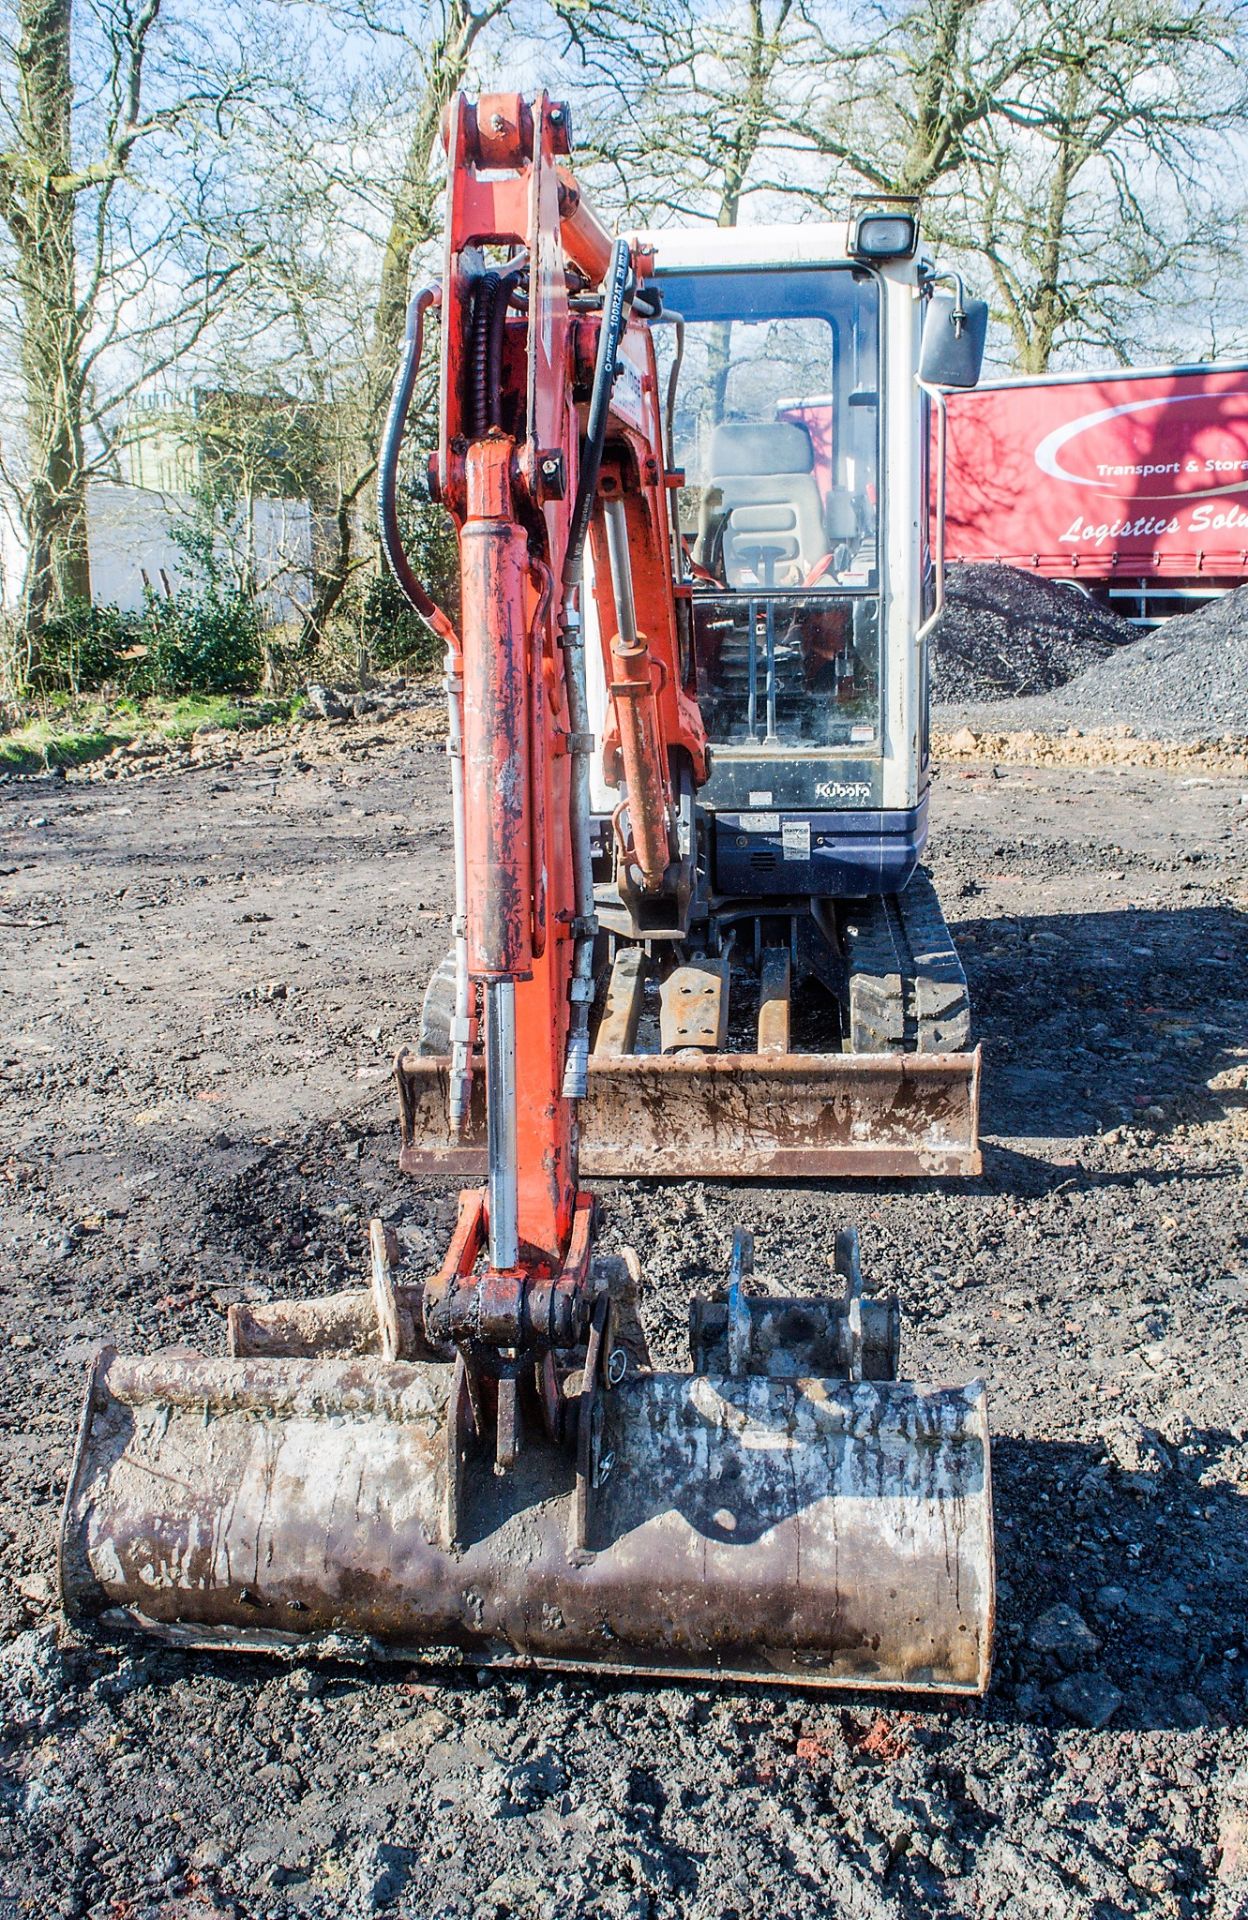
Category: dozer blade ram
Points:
column 480, row 1462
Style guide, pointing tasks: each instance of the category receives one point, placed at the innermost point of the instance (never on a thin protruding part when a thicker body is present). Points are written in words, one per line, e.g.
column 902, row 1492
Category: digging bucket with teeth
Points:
column 786, row 1509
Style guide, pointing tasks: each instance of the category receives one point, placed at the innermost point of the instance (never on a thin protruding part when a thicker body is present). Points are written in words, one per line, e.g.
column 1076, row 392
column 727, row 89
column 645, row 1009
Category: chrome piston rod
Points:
column 621, row 570
column 501, row 1149
column 462, row 1024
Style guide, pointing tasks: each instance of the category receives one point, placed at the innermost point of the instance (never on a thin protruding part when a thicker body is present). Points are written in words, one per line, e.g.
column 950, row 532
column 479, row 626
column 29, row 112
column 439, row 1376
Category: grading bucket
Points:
column 831, row 1531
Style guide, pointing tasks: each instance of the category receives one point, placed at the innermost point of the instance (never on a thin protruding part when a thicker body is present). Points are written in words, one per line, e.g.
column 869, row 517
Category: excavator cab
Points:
column 688, row 780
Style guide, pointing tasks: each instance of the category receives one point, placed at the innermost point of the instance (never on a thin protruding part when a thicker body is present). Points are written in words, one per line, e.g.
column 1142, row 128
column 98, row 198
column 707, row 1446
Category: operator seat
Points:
column 773, row 519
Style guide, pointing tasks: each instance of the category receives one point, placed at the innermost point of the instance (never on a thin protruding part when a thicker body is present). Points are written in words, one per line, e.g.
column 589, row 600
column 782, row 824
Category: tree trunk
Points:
column 40, row 216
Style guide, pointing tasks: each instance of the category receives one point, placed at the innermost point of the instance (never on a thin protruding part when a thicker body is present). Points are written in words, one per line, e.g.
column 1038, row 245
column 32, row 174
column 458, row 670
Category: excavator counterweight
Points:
column 687, row 740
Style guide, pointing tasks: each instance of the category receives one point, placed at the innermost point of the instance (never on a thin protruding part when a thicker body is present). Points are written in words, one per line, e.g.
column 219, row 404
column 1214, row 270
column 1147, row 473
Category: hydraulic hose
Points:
column 462, row 1024
column 388, row 472
column 581, row 987
column 609, row 334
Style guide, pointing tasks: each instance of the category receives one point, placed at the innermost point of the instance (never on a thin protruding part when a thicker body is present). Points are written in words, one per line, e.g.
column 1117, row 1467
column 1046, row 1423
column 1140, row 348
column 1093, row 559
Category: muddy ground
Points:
column 205, row 971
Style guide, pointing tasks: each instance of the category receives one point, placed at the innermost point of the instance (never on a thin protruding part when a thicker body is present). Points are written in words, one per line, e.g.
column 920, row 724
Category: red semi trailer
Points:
column 1133, row 485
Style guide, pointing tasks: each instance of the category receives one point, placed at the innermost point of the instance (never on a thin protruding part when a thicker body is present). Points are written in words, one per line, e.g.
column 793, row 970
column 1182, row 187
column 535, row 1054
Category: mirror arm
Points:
column 953, row 278
column 937, row 396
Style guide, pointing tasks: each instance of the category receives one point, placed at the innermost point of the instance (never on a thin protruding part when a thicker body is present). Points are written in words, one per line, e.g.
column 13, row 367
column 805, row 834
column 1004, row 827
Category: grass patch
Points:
column 45, row 743
column 71, row 733
column 218, row 713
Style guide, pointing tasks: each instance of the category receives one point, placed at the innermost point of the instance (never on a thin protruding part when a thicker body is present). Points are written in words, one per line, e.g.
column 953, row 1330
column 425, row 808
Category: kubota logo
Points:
column 1061, row 460
column 843, row 790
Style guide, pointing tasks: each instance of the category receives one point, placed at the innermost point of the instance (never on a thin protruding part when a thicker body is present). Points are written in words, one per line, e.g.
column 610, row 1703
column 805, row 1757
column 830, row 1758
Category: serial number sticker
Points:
column 795, row 839
column 760, row 799
column 762, row 822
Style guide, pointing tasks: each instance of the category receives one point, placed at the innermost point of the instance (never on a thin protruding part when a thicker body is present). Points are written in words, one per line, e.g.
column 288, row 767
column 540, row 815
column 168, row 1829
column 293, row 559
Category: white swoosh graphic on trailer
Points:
column 1047, row 461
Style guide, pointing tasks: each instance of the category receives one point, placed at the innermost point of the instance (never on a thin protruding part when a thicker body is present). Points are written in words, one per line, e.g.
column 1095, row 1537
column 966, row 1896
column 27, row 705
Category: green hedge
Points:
column 193, row 642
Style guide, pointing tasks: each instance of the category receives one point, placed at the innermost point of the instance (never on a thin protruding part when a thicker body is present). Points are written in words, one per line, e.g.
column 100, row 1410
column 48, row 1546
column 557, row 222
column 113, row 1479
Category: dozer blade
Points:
column 834, row 1532
column 736, row 1115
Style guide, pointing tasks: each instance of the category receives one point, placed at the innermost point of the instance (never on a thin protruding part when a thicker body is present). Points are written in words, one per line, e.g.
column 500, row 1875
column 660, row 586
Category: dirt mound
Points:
column 1187, row 680
column 1004, row 633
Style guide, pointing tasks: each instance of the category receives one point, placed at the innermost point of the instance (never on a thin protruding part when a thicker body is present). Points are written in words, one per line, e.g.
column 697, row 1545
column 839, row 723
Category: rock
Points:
column 32, row 1672
column 1088, row 1698
column 1092, row 1488
column 1135, row 1448
column 879, row 1853
column 211, row 1856
column 1233, row 1846
column 1111, row 1599
column 1063, row 1634
column 383, row 1873
column 324, row 703
column 1152, row 1870
column 947, row 1856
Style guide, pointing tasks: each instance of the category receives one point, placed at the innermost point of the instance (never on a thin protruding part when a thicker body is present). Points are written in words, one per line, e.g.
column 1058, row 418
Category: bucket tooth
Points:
column 338, row 1323
column 617, row 1030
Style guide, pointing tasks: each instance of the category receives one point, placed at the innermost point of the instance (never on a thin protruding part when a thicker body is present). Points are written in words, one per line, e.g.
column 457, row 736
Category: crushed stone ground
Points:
column 205, row 972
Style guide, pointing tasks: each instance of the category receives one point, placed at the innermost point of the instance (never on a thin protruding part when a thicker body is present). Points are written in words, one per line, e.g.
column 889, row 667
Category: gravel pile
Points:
column 1186, row 681
column 1006, row 633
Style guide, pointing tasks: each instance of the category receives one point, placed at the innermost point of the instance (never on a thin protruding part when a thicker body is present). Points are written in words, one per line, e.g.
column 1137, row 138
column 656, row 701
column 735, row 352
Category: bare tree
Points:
column 87, row 269
column 1072, row 147
column 1096, row 190
column 893, row 100
column 684, row 101
column 418, row 58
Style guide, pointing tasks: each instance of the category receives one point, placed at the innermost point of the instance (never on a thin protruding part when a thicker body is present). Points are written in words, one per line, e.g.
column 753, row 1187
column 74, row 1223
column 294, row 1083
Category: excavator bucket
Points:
column 776, row 1513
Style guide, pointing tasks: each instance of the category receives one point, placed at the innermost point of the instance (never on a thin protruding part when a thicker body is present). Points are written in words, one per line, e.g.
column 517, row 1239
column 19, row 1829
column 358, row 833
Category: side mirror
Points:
column 954, row 334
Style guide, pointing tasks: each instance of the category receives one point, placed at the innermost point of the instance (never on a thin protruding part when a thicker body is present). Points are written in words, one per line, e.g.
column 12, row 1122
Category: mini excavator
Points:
column 689, row 472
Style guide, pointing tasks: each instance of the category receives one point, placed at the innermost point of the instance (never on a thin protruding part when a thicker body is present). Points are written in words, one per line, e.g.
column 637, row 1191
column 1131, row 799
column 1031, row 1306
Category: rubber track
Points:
column 907, row 990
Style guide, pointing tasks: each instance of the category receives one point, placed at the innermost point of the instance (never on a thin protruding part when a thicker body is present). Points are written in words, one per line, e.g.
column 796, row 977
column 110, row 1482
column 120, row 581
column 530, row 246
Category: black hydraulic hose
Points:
column 605, row 369
column 388, row 472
